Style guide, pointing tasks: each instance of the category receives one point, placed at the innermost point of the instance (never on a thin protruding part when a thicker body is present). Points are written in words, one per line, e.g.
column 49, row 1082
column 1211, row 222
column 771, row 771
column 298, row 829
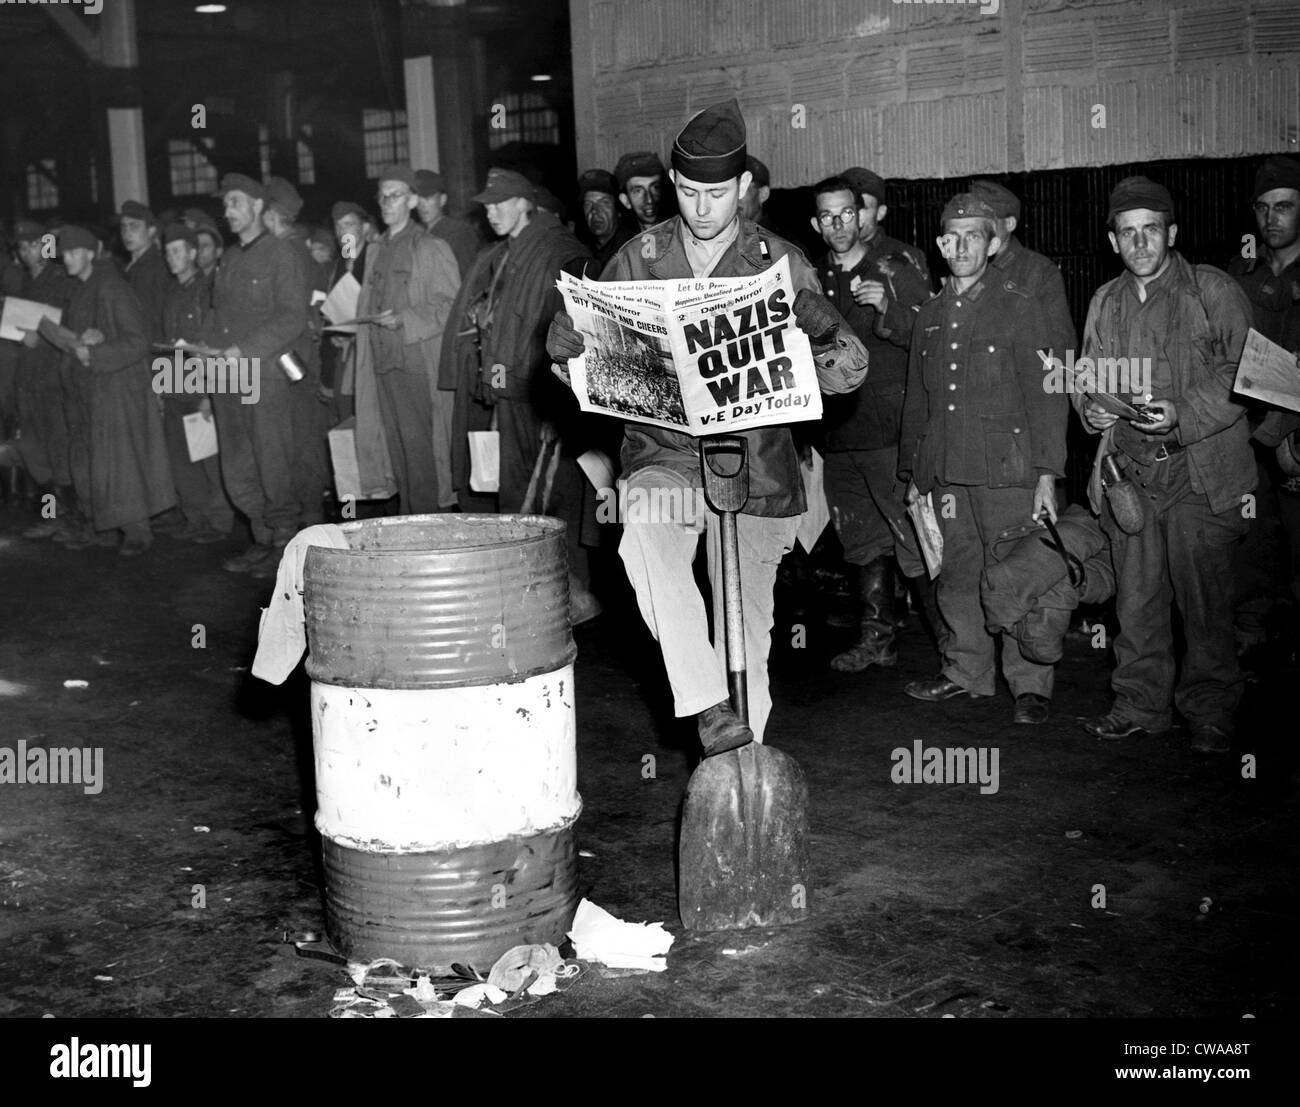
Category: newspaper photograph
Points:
column 702, row 356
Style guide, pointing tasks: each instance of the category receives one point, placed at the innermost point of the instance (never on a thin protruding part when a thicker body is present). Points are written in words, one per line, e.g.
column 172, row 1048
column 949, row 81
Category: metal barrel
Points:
column 441, row 661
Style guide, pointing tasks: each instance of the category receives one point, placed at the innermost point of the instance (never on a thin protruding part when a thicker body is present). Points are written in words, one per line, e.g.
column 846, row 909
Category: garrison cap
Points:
column 1276, row 172
column 180, row 232
column 597, row 180
column 241, row 182
column 133, row 209
column 77, row 238
column 505, row 184
column 27, row 231
column 1001, row 199
column 429, row 182
column 282, row 195
column 347, row 207
column 403, row 173
column 1134, row 193
column 642, row 163
column 865, row 182
column 199, row 219
column 711, row 147
column 966, row 205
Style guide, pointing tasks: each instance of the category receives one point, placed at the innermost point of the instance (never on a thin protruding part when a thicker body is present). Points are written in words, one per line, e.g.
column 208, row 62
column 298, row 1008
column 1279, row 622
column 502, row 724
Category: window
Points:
column 525, row 117
column 192, row 173
column 306, row 160
column 385, row 137
column 42, row 192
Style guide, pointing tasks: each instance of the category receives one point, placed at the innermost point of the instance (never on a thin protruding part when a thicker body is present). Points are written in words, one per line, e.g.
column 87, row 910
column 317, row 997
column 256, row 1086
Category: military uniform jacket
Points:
column 871, row 417
column 1196, row 319
column 259, row 301
column 1275, row 301
column 1039, row 274
column 186, row 308
column 976, row 411
column 775, row 483
column 149, row 277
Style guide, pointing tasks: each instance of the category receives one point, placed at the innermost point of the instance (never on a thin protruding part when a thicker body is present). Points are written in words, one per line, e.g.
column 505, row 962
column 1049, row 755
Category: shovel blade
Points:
column 743, row 858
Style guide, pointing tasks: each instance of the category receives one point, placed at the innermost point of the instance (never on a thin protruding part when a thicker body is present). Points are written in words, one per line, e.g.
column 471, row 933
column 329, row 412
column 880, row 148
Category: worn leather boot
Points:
column 720, row 729
column 875, row 644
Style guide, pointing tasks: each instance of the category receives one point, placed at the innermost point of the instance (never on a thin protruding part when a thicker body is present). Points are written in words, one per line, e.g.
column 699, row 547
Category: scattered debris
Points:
column 599, row 936
column 76, row 684
column 104, row 979
column 202, row 830
column 1074, row 833
column 586, row 853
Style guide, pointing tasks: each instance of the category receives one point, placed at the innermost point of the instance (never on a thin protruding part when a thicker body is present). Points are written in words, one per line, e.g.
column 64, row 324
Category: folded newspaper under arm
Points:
column 709, row 355
column 1268, row 372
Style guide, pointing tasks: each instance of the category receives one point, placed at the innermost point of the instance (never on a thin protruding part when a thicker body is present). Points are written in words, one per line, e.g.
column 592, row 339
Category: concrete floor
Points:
column 929, row 900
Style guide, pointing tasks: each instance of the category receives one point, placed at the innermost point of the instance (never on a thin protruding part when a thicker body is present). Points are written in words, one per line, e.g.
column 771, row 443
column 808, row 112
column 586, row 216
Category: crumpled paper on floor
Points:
column 534, row 965
column 599, row 936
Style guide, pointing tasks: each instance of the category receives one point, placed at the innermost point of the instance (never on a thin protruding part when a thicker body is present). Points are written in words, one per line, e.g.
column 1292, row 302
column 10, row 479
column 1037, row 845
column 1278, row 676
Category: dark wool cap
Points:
column 321, row 236
column 133, row 209
column 281, row 194
column 597, row 180
column 711, row 147
column 429, row 182
column 179, row 232
column 403, row 173
column 74, row 238
column 545, row 199
column 27, row 231
column 347, row 207
column 757, row 170
column 642, row 163
column 966, row 205
column 505, row 184
column 1134, row 193
column 865, row 182
column 1002, row 200
column 199, row 219
column 239, row 182
column 1276, row 172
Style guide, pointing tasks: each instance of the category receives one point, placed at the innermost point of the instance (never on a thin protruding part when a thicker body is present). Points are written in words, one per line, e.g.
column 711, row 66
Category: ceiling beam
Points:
column 85, row 40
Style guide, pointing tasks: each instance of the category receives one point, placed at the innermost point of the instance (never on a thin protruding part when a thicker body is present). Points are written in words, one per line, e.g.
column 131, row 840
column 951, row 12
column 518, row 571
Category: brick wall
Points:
column 925, row 91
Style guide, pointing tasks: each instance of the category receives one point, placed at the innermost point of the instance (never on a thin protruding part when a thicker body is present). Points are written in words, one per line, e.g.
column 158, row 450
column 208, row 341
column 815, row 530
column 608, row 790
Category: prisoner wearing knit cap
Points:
column 711, row 147
column 505, row 184
column 180, row 232
column 865, row 182
column 77, row 238
column 240, row 182
column 428, row 182
column 133, row 209
column 284, row 197
column 1139, row 193
column 27, row 231
column 347, row 207
column 966, row 205
column 597, row 180
column 642, row 163
column 403, row 173
column 1276, row 172
column 1001, row 199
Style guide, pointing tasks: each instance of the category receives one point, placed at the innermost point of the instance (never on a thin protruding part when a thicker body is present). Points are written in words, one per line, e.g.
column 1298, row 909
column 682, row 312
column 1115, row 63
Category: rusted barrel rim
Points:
column 547, row 528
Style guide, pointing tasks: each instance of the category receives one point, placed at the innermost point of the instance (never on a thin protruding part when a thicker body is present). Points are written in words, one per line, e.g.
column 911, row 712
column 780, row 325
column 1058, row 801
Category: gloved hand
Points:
column 562, row 341
column 816, row 316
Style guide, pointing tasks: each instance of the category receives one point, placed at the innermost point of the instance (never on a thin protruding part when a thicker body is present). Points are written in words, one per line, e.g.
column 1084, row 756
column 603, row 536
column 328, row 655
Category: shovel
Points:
column 743, row 856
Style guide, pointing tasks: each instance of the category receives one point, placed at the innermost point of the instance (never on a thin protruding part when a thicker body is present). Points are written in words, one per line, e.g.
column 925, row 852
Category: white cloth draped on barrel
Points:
column 281, row 636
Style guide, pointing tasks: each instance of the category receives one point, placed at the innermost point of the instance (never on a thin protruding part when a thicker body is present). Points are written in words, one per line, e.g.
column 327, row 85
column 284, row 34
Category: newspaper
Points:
column 1268, row 372
column 709, row 355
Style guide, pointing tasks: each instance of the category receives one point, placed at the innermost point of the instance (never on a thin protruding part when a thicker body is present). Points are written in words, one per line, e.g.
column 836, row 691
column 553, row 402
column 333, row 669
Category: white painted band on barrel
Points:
column 399, row 770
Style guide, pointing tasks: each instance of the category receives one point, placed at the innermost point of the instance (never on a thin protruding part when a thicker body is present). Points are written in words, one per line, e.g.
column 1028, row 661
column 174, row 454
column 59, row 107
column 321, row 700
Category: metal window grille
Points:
column 192, row 174
column 42, row 192
column 527, row 118
column 385, row 137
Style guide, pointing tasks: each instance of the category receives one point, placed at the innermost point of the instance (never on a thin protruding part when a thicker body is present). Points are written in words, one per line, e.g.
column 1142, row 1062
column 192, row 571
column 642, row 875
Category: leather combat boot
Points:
column 875, row 645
